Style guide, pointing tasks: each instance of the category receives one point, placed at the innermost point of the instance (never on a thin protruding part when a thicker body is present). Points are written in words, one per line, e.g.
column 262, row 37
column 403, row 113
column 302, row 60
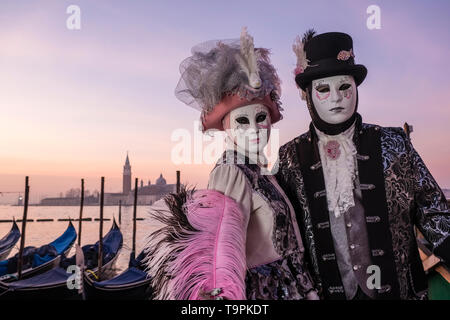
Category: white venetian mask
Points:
column 334, row 98
column 248, row 127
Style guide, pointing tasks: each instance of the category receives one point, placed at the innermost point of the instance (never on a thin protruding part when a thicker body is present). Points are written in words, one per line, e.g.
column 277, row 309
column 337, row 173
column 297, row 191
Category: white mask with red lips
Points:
column 248, row 128
column 334, row 98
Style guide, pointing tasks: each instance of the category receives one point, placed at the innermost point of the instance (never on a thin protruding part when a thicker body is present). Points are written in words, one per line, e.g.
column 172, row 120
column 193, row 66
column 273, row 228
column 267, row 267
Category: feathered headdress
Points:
column 222, row 68
column 247, row 59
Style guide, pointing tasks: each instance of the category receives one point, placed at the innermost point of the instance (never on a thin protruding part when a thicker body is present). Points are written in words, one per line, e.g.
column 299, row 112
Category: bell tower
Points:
column 126, row 176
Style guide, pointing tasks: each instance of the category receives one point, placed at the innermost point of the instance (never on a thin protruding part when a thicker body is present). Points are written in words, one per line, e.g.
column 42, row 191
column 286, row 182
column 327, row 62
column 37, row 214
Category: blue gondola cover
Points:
column 131, row 275
column 34, row 257
column 9, row 240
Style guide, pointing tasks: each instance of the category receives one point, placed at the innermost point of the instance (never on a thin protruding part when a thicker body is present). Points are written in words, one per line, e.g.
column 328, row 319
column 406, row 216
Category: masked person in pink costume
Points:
column 239, row 238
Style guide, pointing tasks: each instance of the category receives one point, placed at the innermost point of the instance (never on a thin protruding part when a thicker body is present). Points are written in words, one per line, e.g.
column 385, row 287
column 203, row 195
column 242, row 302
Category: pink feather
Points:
column 211, row 257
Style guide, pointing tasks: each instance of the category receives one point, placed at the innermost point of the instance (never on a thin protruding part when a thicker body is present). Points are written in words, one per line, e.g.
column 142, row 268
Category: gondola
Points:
column 90, row 276
column 132, row 284
column 38, row 260
column 8, row 241
column 52, row 285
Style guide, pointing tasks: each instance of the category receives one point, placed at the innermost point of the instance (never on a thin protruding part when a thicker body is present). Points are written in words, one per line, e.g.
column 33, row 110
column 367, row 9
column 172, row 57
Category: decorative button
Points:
column 337, row 289
column 367, row 186
column 329, row 256
column 384, row 289
column 377, row 252
column 319, row 194
column 373, row 219
column 349, row 225
column 316, row 166
column 352, row 246
column 356, row 267
column 362, row 157
column 323, row 225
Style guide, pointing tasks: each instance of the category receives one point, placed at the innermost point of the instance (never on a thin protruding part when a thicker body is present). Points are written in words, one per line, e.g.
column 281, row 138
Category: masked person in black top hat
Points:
column 358, row 189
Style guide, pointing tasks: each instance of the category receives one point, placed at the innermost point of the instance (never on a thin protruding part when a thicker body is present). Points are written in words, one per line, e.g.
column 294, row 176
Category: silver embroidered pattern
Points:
column 408, row 184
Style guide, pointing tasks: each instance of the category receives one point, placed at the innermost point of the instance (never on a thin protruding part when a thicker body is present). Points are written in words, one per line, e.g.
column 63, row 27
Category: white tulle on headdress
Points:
column 226, row 67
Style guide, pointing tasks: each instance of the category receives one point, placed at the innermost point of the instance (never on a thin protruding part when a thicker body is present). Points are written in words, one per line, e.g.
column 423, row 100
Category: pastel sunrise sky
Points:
column 73, row 102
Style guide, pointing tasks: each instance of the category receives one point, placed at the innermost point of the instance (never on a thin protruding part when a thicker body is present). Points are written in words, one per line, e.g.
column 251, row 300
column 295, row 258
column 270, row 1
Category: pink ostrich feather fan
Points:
column 199, row 253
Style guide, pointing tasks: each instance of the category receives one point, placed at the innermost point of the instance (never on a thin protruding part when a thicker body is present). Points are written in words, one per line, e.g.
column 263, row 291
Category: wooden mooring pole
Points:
column 24, row 224
column 81, row 212
column 100, row 243
column 134, row 215
column 120, row 212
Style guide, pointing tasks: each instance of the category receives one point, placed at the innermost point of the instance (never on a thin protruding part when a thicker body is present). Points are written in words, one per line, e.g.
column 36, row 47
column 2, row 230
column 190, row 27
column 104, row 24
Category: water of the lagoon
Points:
column 40, row 233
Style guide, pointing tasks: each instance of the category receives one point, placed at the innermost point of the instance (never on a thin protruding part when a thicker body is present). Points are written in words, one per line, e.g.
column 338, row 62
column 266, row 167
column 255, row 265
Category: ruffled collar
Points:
column 338, row 158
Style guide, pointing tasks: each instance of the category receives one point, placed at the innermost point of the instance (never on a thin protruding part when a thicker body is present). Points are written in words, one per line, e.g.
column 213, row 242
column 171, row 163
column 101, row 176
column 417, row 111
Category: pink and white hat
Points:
column 223, row 75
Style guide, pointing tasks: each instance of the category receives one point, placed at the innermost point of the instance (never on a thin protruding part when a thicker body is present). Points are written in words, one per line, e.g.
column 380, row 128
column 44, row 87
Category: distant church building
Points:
column 126, row 177
column 159, row 188
column 147, row 195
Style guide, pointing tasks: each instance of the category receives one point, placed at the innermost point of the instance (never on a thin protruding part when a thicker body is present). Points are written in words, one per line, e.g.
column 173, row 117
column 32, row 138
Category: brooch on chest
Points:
column 332, row 149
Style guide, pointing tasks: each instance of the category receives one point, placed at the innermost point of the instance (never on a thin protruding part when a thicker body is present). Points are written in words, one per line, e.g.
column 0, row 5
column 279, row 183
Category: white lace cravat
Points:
column 337, row 155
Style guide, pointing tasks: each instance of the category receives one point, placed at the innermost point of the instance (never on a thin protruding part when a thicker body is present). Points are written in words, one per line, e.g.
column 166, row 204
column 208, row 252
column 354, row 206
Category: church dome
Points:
column 160, row 181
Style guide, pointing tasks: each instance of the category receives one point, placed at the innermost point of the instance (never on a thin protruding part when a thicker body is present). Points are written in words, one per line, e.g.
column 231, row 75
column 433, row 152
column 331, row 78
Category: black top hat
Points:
column 330, row 54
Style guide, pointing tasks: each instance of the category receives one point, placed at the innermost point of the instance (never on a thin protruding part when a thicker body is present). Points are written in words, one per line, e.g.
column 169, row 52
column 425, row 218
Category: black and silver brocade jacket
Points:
column 398, row 193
